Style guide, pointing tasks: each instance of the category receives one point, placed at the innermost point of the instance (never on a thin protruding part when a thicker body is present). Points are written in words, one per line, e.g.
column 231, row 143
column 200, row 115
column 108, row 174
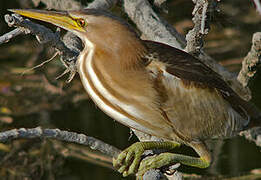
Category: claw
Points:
column 122, row 169
column 128, row 160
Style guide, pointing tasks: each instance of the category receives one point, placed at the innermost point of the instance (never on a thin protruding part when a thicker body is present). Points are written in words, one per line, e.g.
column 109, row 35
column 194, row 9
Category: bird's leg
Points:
column 163, row 159
column 128, row 160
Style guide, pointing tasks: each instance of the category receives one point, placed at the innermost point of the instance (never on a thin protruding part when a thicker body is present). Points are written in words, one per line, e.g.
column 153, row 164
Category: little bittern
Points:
column 153, row 88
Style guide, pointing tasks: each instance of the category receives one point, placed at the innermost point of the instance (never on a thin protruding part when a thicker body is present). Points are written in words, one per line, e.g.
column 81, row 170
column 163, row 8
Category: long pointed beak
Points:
column 61, row 19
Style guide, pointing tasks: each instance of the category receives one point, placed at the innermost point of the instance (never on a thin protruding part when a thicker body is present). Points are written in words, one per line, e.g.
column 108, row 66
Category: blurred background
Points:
column 35, row 98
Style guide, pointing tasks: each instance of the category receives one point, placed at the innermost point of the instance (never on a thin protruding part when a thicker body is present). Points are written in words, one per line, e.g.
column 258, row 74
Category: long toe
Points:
column 128, row 160
column 154, row 163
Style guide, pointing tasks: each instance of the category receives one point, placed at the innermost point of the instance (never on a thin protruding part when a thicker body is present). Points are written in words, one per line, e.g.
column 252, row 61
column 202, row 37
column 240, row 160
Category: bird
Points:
column 153, row 88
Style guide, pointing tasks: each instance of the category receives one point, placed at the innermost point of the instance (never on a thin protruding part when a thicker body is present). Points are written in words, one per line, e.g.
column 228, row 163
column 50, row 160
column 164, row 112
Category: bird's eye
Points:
column 81, row 22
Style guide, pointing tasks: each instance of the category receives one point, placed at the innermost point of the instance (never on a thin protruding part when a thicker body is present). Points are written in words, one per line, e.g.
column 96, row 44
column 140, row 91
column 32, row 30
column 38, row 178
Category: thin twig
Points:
column 251, row 61
column 58, row 134
column 204, row 17
column 40, row 65
column 6, row 37
column 45, row 35
column 195, row 36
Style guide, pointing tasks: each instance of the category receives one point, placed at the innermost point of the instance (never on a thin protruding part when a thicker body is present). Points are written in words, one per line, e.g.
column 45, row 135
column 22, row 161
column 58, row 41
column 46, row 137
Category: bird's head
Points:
column 99, row 28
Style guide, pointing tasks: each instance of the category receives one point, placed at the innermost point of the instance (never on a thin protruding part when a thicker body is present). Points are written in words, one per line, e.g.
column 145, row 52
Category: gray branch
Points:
column 195, row 36
column 246, row 74
column 44, row 35
column 159, row 3
column 258, row 6
column 253, row 135
column 102, row 4
column 152, row 25
column 162, row 5
column 67, row 5
column 251, row 61
column 249, row 65
column 6, row 37
column 64, row 5
column 58, row 134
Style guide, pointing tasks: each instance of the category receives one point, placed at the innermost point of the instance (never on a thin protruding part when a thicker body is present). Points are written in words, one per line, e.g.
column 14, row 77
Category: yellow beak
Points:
column 61, row 18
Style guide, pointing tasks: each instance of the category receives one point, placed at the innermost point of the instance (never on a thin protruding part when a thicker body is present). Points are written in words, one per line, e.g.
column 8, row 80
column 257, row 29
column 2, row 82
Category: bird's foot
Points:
column 168, row 159
column 128, row 160
column 156, row 162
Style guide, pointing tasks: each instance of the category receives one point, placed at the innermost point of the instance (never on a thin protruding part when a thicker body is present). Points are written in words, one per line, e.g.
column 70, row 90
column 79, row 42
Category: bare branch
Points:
column 58, row 134
column 151, row 25
column 162, row 5
column 246, row 74
column 75, row 5
column 251, row 61
column 258, row 6
column 195, row 36
column 102, row 4
column 195, row 46
column 203, row 19
column 253, row 134
column 6, row 37
column 154, row 175
column 45, row 35
column 159, row 2
column 64, row 5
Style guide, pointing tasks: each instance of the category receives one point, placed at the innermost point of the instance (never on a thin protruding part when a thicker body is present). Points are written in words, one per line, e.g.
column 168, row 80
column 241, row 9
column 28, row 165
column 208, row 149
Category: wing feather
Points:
column 192, row 71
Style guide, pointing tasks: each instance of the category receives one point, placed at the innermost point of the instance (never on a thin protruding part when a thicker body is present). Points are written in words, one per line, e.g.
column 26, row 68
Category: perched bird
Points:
column 153, row 88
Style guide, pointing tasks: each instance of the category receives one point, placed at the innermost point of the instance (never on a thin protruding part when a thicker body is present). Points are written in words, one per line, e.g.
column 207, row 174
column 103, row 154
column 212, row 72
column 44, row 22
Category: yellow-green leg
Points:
column 128, row 161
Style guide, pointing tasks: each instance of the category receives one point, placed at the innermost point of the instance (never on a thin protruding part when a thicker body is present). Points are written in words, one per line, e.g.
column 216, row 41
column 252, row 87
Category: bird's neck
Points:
column 122, row 68
column 118, row 64
column 123, row 52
